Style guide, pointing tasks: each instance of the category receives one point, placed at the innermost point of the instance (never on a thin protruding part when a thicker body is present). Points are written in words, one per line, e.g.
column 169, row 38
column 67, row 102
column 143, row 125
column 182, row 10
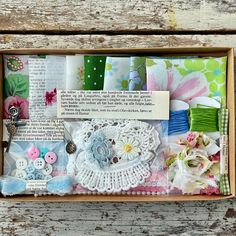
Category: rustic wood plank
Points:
column 118, row 218
column 117, row 16
column 115, row 41
column 176, row 218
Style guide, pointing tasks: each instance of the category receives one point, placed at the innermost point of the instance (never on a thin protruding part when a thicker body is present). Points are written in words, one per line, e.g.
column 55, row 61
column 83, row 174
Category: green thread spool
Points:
column 204, row 119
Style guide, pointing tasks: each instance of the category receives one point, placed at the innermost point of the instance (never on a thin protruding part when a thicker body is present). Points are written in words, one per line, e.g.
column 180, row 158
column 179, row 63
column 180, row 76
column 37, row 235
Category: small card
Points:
column 33, row 185
column 143, row 105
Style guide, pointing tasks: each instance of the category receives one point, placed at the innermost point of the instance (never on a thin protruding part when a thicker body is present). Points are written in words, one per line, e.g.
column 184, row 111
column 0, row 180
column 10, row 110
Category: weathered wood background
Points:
column 121, row 23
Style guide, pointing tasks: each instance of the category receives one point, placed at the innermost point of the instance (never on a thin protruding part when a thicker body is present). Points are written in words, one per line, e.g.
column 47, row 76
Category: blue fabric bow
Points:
column 59, row 185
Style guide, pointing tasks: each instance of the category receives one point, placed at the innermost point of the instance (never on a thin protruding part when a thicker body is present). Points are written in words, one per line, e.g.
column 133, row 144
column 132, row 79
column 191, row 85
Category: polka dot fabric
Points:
column 94, row 67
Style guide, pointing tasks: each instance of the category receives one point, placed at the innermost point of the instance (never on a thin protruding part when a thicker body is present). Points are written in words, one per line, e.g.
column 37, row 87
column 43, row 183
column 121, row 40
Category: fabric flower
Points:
column 98, row 149
column 16, row 101
column 196, row 162
column 51, row 97
column 128, row 148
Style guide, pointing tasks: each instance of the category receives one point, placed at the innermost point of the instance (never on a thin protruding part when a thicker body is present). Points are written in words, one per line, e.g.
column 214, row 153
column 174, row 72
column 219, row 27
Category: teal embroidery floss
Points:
column 204, row 119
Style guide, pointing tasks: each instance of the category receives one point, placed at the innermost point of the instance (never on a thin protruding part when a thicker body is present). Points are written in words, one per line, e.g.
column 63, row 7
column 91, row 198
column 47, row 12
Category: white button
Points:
column 39, row 163
column 47, row 169
column 21, row 163
column 21, row 174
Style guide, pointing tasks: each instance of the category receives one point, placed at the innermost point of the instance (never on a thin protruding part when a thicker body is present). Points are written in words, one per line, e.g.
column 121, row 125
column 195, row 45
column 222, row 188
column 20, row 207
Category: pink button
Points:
column 50, row 157
column 33, row 153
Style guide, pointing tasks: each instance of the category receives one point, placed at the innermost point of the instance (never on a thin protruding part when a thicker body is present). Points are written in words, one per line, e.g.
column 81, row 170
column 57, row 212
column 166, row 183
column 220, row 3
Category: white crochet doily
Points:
column 132, row 144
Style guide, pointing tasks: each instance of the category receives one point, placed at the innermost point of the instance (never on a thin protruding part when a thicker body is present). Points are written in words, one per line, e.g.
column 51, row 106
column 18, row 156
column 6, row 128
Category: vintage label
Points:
column 36, row 185
column 224, row 154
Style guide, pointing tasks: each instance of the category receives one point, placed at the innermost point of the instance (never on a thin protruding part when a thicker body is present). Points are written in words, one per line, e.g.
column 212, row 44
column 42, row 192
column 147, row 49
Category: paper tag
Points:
column 144, row 105
column 36, row 185
column 224, row 154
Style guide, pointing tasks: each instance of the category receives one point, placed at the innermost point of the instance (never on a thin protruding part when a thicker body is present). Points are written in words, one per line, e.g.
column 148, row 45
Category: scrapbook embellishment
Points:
column 187, row 78
column 94, row 67
column 59, row 185
column 40, row 164
column 113, row 155
column 14, row 63
column 33, row 153
column 117, row 73
column 195, row 167
column 70, row 145
column 13, row 125
column 137, row 74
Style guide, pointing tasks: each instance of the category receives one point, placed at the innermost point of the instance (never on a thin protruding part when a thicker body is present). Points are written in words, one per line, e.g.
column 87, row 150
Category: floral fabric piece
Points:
column 74, row 72
column 94, row 67
column 189, row 77
column 16, row 84
column 117, row 72
column 137, row 74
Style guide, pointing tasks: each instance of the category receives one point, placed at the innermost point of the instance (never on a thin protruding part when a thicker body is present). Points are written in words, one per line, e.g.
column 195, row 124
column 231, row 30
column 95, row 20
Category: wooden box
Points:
column 196, row 51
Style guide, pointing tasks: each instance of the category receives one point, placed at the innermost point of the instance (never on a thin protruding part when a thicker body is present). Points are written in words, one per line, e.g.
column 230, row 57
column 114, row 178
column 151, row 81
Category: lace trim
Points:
column 115, row 180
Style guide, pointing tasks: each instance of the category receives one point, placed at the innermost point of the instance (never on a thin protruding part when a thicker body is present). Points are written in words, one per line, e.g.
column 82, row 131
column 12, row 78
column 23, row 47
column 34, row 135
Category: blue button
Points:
column 43, row 152
column 39, row 175
column 30, row 169
column 30, row 176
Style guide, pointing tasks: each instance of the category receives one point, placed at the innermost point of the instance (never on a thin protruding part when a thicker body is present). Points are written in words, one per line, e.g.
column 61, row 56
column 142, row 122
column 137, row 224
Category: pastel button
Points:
column 21, row 174
column 30, row 169
column 33, row 153
column 47, row 170
column 21, row 164
column 50, row 157
column 39, row 175
column 39, row 163
column 31, row 176
column 43, row 152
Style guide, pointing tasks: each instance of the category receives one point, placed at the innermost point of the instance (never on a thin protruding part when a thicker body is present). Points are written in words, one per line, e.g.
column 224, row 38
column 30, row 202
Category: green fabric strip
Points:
column 94, row 67
column 224, row 184
column 223, row 126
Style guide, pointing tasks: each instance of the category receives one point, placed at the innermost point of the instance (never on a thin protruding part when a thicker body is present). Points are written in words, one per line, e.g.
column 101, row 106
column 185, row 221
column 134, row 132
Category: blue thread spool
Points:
column 178, row 122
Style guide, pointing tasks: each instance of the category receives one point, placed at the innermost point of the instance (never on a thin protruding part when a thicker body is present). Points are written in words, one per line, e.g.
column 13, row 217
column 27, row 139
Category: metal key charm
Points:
column 11, row 126
column 11, row 129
